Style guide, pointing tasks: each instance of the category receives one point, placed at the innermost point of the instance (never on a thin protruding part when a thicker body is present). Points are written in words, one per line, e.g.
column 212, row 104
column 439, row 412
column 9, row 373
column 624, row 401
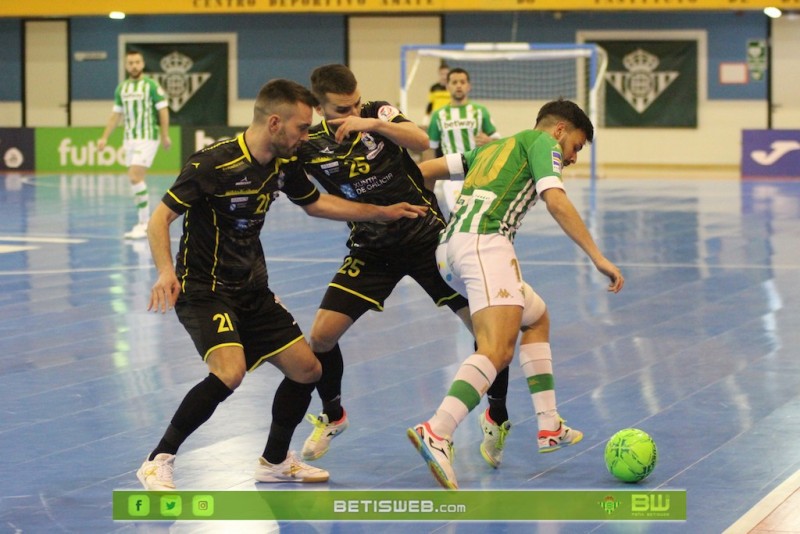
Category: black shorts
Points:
column 253, row 320
column 366, row 278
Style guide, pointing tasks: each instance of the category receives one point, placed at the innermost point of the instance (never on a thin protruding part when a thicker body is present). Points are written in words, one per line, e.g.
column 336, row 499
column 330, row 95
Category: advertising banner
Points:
column 771, row 153
column 75, row 149
column 198, row 137
column 16, row 149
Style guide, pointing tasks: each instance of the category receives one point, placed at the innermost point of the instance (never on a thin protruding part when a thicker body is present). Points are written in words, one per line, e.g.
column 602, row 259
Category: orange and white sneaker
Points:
column 289, row 470
column 437, row 452
column 552, row 440
column 156, row 474
column 318, row 443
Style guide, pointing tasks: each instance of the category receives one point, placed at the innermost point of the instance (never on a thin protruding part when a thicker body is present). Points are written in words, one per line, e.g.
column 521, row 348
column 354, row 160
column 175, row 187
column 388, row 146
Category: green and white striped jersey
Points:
column 455, row 127
column 139, row 102
column 502, row 181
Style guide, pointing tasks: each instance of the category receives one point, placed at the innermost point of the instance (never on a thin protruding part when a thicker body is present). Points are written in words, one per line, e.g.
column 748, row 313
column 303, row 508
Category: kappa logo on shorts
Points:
column 503, row 294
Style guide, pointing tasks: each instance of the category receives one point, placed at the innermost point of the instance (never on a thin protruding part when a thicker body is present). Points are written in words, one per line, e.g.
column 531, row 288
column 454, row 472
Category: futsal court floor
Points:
column 700, row 350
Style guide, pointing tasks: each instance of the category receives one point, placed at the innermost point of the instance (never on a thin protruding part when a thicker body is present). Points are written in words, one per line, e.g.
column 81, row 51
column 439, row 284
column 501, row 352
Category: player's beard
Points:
column 281, row 146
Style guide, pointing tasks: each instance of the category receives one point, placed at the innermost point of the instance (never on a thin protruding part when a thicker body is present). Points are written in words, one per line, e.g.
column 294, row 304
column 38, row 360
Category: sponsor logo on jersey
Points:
column 373, row 153
column 330, row 168
column 372, row 182
column 244, row 181
column 368, row 141
column 281, row 179
column 460, row 124
column 326, row 150
column 556, row 161
column 348, row 191
column 387, row 113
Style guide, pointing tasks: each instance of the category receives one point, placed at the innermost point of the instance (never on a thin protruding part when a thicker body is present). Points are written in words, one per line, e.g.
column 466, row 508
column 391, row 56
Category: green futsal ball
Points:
column 631, row 455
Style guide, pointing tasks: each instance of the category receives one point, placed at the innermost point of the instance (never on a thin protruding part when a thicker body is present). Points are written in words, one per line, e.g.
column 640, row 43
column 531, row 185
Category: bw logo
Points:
column 641, row 85
column 177, row 81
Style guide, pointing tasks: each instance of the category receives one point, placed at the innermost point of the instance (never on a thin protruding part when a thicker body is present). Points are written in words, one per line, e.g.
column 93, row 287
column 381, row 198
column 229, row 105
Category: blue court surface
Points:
column 700, row 350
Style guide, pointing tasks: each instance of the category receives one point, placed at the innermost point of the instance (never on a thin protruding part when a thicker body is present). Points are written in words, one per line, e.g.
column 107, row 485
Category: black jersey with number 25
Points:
column 368, row 167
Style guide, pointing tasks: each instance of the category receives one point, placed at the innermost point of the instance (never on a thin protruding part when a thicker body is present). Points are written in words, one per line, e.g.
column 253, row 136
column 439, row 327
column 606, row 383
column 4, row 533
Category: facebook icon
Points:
column 138, row 505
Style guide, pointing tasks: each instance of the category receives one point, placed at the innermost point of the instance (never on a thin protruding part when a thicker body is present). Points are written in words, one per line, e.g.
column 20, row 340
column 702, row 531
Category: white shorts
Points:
column 141, row 153
column 483, row 268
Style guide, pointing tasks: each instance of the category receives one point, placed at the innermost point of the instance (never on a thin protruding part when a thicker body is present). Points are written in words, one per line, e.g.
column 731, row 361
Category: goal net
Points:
column 513, row 80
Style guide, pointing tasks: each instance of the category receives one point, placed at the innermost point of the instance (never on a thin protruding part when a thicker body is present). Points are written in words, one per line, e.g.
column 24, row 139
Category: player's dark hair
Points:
column 568, row 111
column 131, row 52
column 335, row 78
column 279, row 92
column 457, row 70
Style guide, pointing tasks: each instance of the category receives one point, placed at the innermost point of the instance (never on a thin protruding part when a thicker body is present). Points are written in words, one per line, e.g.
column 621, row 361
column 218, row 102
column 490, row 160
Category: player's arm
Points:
column 339, row 209
column 166, row 289
column 568, row 218
column 403, row 133
column 447, row 167
column 112, row 123
column 163, row 123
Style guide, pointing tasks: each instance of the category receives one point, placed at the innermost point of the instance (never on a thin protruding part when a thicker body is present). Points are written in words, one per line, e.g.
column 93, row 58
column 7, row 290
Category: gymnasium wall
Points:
column 292, row 45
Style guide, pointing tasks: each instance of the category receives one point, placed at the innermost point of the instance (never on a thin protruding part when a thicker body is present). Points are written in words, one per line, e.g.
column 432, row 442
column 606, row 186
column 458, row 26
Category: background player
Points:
column 140, row 101
column 458, row 126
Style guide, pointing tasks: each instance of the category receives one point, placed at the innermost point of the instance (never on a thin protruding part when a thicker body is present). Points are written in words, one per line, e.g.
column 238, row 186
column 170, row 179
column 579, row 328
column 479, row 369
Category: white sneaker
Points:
column 290, row 470
column 552, row 440
column 324, row 431
column 437, row 453
column 494, row 439
column 156, row 474
column 139, row 231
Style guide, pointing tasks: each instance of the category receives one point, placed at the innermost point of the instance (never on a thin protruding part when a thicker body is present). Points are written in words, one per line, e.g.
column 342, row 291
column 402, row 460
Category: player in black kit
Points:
column 219, row 283
column 359, row 152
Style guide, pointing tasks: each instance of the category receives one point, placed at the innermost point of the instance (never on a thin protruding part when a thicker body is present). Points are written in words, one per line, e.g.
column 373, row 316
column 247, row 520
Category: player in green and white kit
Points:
column 458, row 127
column 476, row 256
column 141, row 102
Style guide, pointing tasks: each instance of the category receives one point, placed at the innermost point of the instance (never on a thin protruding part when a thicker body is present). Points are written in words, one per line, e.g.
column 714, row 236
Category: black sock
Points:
column 289, row 406
column 497, row 397
column 330, row 384
column 196, row 408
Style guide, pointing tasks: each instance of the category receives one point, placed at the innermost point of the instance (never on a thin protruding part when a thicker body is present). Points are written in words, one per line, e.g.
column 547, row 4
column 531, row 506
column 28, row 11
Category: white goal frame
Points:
column 410, row 57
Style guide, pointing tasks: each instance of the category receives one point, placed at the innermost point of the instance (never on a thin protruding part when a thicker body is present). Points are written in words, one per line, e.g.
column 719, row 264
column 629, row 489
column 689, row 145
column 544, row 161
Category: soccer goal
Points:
column 512, row 80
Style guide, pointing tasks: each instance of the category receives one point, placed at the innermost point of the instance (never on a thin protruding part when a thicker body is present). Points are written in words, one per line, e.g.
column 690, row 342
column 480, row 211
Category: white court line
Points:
column 56, row 240
column 7, row 249
column 765, row 506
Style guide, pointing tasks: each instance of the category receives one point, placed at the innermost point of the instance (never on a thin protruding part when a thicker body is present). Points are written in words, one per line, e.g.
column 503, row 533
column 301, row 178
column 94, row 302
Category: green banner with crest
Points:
column 651, row 84
column 194, row 76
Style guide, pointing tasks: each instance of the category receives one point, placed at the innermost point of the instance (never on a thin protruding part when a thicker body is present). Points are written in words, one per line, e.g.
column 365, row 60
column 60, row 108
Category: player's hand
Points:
column 402, row 210
column 164, row 293
column 348, row 125
column 166, row 142
column 481, row 139
column 613, row 273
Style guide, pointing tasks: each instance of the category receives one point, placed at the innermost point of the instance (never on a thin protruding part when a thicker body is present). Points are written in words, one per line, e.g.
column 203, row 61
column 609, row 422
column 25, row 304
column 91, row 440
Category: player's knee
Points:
column 321, row 343
column 534, row 306
column 308, row 372
column 231, row 377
